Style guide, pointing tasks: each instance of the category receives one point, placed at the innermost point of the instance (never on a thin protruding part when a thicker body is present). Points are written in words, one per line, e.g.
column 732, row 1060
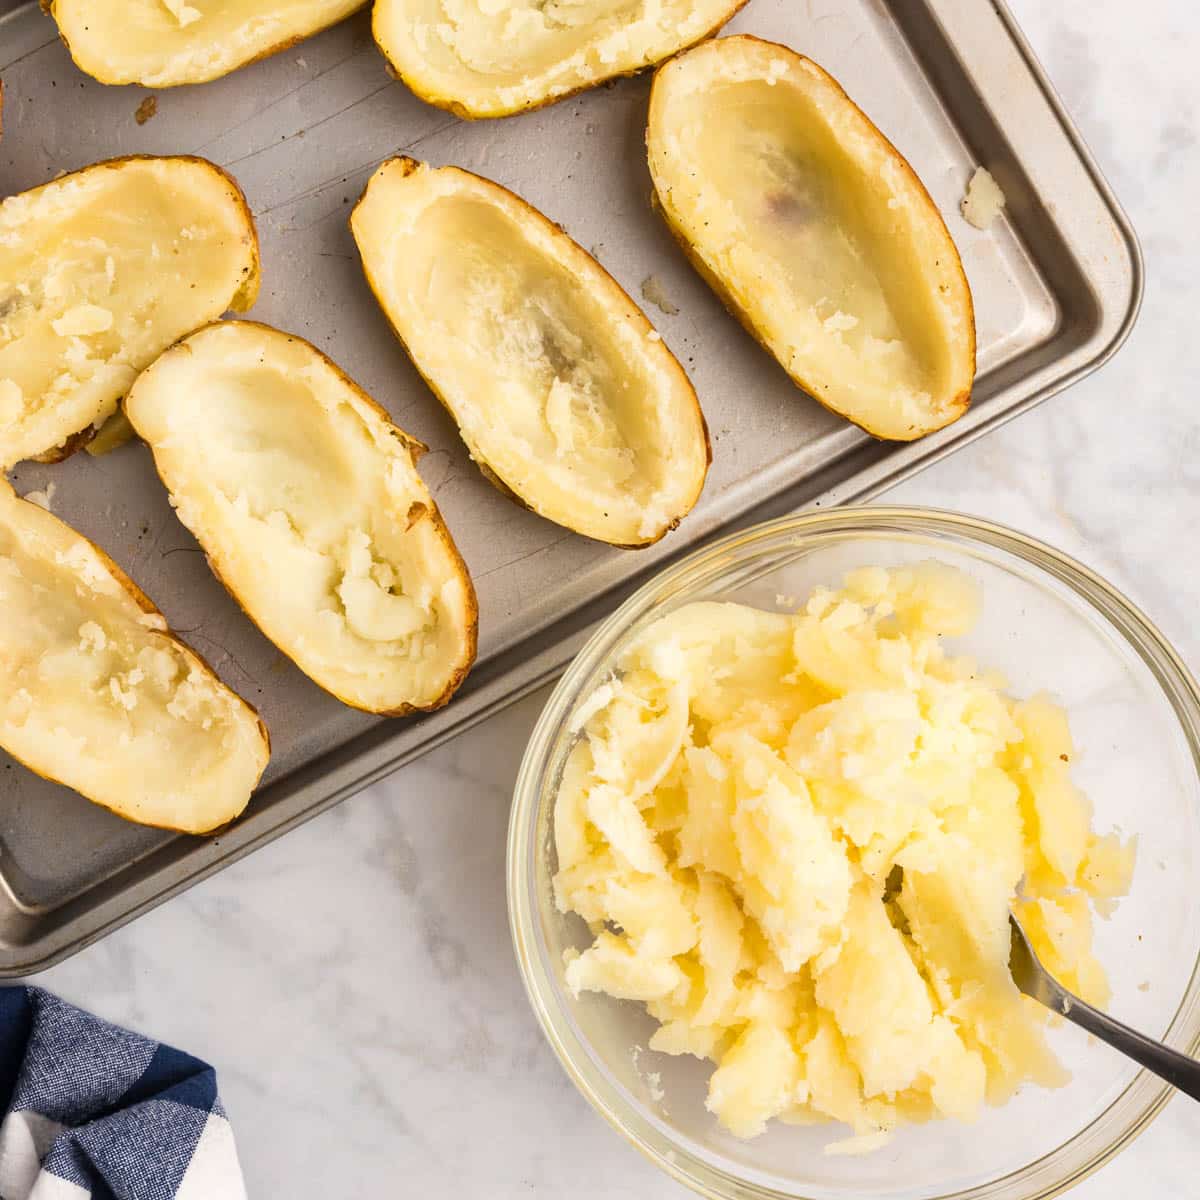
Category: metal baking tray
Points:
column 953, row 83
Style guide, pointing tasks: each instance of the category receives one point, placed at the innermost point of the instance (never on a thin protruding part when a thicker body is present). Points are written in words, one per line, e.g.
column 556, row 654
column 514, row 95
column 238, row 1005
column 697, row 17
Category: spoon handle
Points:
column 1177, row 1069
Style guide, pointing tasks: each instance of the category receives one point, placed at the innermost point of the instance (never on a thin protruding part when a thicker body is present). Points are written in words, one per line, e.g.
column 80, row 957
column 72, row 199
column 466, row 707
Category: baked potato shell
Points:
column 96, row 693
column 100, row 271
column 307, row 501
column 491, row 60
column 165, row 43
column 566, row 396
column 815, row 232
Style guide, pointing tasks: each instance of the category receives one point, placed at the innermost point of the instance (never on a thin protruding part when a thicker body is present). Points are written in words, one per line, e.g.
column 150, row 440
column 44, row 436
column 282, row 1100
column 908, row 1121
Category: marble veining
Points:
column 354, row 982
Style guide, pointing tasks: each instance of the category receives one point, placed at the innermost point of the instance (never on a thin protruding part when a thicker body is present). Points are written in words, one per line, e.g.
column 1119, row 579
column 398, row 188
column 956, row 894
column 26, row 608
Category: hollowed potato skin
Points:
column 102, row 74
column 242, row 297
column 475, row 111
column 602, row 283
column 62, row 532
column 466, row 651
column 955, row 404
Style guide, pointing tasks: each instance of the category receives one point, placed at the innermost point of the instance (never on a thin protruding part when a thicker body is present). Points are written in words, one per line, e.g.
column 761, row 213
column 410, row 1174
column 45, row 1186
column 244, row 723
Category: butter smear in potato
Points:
column 796, row 838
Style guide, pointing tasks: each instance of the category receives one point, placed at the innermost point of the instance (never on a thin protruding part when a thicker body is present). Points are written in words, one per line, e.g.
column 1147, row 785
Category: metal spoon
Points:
column 1033, row 979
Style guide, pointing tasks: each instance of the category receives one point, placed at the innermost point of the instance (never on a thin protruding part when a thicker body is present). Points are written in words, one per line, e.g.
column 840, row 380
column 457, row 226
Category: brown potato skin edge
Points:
column 448, row 104
column 49, row 6
column 148, row 606
column 960, row 401
column 242, row 299
column 408, row 166
column 416, row 448
column 72, row 445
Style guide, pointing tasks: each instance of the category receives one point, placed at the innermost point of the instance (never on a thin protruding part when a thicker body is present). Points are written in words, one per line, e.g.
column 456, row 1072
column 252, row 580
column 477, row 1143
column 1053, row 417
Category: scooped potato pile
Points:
column 563, row 391
column 483, row 59
column 796, row 838
column 100, row 271
column 308, row 502
column 162, row 43
column 96, row 693
column 815, row 232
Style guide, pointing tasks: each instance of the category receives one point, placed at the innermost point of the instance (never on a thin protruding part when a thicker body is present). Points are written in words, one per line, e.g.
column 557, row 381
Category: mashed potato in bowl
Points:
column 796, row 838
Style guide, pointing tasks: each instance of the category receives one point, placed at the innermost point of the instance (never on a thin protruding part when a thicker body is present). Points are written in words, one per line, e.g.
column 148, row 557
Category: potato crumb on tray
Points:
column 983, row 201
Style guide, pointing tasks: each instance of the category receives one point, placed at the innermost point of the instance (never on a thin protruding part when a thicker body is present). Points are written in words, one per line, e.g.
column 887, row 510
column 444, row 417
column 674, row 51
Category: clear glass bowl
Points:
column 1049, row 624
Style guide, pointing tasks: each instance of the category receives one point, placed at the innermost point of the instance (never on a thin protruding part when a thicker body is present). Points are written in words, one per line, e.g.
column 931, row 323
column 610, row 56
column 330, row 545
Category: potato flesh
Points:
column 830, row 261
column 521, row 314
column 557, row 382
column 99, row 272
column 731, row 823
column 826, row 243
column 97, row 695
column 161, row 43
column 311, row 510
column 489, row 59
column 984, row 200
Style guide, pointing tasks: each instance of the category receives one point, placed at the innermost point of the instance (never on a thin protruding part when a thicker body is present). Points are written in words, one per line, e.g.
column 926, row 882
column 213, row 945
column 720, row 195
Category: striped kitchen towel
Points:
column 96, row 1111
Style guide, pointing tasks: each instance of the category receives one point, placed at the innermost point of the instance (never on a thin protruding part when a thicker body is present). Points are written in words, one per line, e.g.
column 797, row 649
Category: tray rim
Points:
column 502, row 688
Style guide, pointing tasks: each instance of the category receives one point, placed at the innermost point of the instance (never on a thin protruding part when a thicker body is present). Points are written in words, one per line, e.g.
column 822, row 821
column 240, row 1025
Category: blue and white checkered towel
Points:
column 96, row 1111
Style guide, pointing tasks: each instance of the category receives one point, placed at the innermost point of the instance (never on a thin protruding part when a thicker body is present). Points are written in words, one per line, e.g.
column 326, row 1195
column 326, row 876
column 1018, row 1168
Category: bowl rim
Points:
column 1144, row 1096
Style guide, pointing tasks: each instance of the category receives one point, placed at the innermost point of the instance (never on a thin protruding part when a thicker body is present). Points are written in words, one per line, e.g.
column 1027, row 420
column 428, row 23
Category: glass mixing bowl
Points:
column 1049, row 624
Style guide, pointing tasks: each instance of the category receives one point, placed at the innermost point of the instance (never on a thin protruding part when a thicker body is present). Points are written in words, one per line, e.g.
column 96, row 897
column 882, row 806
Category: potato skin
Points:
column 961, row 401
column 72, row 445
column 450, row 105
column 49, row 7
column 416, row 448
column 246, row 295
column 407, row 166
column 149, row 607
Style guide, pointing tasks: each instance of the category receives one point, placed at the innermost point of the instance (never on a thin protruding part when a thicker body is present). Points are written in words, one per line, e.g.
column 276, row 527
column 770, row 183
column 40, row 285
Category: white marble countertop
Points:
column 354, row 982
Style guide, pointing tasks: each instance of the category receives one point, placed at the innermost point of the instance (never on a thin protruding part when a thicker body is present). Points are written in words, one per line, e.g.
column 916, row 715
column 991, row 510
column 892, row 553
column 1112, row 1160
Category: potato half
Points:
column 96, row 693
column 566, row 396
column 483, row 59
column 307, row 500
column 815, row 232
column 100, row 271
column 163, row 43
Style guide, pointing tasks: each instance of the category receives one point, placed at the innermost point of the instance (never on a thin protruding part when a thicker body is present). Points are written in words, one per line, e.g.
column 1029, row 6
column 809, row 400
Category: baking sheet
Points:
column 1056, row 285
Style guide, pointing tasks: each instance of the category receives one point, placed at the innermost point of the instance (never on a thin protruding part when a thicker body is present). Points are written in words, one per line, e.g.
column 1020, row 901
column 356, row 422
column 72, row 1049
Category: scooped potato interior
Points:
column 485, row 59
column 816, row 231
column 160, row 43
column 95, row 692
column 560, row 386
column 308, row 503
column 100, row 271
